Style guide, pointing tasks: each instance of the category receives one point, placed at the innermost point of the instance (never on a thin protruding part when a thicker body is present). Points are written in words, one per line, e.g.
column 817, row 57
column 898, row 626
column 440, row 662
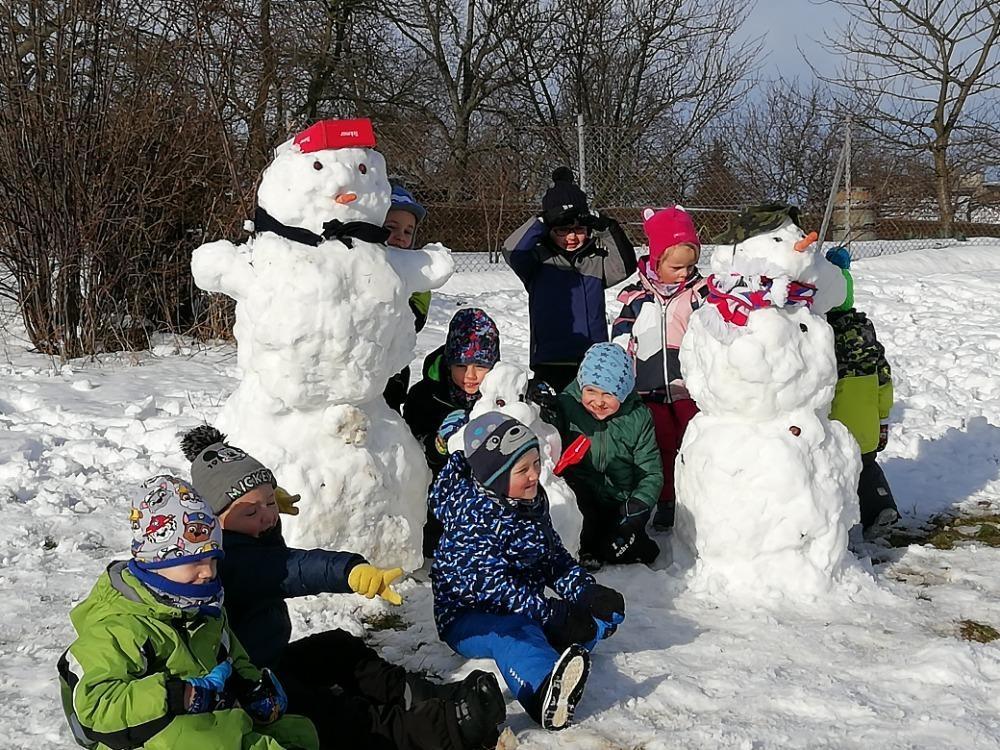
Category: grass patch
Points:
column 970, row 630
column 947, row 532
column 386, row 621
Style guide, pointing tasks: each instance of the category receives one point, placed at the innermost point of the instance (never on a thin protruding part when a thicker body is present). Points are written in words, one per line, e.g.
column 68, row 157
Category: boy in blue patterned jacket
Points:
column 498, row 553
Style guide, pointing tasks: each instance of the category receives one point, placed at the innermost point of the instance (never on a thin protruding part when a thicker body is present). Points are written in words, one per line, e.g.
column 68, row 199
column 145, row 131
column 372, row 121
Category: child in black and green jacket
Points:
column 863, row 400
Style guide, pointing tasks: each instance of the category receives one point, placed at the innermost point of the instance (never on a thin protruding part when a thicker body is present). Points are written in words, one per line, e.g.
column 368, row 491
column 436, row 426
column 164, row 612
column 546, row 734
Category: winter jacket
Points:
column 124, row 675
column 259, row 573
column 493, row 557
column 623, row 461
column 863, row 397
column 650, row 327
column 566, row 309
column 420, row 305
column 426, row 406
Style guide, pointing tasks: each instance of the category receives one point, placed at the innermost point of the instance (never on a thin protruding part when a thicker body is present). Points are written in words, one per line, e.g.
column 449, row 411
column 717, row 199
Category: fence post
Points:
column 581, row 151
column 847, row 181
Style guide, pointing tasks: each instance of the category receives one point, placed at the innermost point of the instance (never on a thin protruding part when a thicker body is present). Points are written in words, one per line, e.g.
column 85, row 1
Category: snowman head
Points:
column 766, row 240
column 328, row 171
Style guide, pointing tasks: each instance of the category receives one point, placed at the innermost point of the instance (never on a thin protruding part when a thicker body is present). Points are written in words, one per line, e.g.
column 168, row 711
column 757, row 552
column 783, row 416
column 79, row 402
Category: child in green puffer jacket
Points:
column 155, row 664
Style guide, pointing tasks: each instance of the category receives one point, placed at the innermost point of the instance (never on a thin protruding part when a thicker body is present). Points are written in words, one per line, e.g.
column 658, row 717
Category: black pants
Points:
column 874, row 494
column 356, row 699
column 600, row 525
column 557, row 375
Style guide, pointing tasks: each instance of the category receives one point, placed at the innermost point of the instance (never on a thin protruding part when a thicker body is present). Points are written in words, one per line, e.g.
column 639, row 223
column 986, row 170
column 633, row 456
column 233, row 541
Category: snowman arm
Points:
column 424, row 269
column 223, row 267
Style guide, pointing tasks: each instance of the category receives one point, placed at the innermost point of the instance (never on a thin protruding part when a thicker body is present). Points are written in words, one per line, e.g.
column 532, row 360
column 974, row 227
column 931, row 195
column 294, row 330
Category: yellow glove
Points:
column 370, row 581
column 286, row 502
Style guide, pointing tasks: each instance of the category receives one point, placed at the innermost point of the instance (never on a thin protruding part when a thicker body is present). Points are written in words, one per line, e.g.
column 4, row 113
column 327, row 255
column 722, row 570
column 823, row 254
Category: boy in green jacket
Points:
column 155, row 664
column 618, row 481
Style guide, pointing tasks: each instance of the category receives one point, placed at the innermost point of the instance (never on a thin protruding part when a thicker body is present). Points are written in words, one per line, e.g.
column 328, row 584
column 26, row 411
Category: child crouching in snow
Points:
column 355, row 698
column 155, row 664
column 498, row 553
column 619, row 478
column 651, row 325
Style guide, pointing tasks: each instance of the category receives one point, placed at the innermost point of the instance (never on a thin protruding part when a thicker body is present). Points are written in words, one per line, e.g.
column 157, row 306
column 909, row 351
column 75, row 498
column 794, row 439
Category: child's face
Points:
column 468, row 377
column 253, row 514
column 524, row 476
column 569, row 238
column 676, row 264
column 600, row 404
column 402, row 226
column 202, row 571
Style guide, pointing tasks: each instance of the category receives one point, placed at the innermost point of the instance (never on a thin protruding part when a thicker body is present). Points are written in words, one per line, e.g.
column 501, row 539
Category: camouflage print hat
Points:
column 755, row 220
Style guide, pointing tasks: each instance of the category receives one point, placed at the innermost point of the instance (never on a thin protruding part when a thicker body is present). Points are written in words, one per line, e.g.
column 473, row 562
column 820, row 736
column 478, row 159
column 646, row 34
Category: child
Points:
column 355, row 698
column 620, row 477
column 497, row 555
column 863, row 400
column 154, row 663
column 652, row 323
column 402, row 220
column 566, row 258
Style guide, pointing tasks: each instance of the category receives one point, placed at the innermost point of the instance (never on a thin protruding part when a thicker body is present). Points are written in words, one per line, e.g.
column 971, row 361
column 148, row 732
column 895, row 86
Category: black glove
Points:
column 265, row 700
column 596, row 221
column 604, row 603
column 568, row 625
column 634, row 516
column 541, row 393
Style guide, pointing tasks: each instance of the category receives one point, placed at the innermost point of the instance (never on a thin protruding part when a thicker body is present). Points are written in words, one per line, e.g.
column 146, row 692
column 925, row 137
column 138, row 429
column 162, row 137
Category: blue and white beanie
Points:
column 403, row 200
column 493, row 443
column 172, row 524
column 607, row 367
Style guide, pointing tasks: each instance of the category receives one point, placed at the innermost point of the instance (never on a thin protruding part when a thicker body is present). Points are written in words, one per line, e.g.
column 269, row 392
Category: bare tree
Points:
column 926, row 74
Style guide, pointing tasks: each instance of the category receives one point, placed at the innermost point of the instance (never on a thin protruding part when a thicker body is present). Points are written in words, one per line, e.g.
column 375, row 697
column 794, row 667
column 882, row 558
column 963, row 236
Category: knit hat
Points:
column 608, row 367
column 403, row 200
column 666, row 228
column 221, row 473
column 172, row 524
column 473, row 339
column 755, row 220
column 493, row 443
column 564, row 203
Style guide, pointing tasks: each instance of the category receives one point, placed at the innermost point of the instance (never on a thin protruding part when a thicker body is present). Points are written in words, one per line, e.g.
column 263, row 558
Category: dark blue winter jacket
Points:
column 259, row 573
column 566, row 309
column 494, row 557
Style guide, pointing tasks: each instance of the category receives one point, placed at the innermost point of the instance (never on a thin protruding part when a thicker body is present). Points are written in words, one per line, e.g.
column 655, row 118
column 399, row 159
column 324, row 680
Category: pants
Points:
column 516, row 644
column 357, row 699
column 670, row 420
column 557, row 375
column 874, row 494
column 600, row 526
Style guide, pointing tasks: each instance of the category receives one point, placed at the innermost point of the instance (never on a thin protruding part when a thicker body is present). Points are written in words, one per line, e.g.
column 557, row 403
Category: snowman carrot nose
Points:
column 345, row 198
column 806, row 241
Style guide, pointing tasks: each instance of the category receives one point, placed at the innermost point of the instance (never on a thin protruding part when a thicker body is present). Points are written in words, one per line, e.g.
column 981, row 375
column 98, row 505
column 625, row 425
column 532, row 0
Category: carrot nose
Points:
column 345, row 198
column 806, row 241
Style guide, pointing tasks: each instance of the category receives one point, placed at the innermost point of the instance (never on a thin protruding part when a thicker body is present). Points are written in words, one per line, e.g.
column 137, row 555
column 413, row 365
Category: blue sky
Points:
column 785, row 23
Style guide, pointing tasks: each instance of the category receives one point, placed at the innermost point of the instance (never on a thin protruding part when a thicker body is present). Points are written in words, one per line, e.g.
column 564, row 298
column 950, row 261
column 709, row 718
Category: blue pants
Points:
column 515, row 643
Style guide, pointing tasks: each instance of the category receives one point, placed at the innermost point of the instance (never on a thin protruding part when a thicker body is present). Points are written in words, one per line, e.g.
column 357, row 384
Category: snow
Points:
column 879, row 667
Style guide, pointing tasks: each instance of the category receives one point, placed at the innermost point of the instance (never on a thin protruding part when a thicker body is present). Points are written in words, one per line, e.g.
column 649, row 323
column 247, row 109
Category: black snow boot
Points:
column 562, row 690
column 480, row 710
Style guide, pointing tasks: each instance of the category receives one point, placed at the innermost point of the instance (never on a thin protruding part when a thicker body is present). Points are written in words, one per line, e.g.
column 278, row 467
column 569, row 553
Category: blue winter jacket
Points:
column 259, row 573
column 492, row 557
column 566, row 309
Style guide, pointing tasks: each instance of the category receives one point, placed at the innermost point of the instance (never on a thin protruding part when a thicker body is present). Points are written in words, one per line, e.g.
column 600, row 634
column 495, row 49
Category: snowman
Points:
column 503, row 390
column 322, row 321
column 766, row 483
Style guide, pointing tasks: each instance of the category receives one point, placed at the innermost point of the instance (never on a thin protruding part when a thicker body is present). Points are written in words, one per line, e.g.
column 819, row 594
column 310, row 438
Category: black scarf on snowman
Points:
column 332, row 230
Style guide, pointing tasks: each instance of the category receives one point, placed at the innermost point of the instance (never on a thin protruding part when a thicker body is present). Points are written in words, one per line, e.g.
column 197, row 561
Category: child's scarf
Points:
column 207, row 598
column 735, row 296
column 666, row 291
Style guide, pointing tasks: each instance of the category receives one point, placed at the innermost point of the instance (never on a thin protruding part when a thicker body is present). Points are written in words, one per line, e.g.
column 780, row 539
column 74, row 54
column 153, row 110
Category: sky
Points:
column 787, row 23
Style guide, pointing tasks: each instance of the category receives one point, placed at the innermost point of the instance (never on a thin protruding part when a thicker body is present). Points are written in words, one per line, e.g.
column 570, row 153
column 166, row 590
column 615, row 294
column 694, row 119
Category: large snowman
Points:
column 504, row 390
column 322, row 321
column 766, row 483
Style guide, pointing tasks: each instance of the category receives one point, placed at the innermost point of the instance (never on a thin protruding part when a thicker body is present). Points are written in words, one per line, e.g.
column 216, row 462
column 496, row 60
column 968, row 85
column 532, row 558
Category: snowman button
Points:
column 803, row 327
column 795, row 430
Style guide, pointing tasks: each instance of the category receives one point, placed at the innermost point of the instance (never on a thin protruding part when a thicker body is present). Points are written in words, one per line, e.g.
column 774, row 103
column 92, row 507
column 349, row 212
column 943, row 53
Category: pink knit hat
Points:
column 668, row 227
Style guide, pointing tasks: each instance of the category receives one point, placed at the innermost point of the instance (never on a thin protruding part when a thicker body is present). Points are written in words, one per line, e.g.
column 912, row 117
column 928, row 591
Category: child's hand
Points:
column 883, row 437
column 203, row 693
column 606, row 605
column 568, row 625
column 267, row 702
column 286, row 502
column 370, row 582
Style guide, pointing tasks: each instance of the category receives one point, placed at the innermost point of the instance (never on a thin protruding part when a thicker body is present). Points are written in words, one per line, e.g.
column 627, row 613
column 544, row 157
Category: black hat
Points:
column 564, row 201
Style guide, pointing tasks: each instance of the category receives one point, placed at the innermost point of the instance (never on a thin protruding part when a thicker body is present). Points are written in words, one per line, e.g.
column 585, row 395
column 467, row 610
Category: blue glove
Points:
column 206, row 690
column 451, row 424
column 839, row 256
column 267, row 702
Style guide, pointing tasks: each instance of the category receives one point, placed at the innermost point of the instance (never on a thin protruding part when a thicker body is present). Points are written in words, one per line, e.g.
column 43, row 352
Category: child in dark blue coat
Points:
column 353, row 696
column 497, row 555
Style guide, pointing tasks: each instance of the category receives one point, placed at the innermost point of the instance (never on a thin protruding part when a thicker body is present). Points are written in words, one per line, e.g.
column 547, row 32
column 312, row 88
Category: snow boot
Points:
column 663, row 519
column 881, row 526
column 419, row 688
column 480, row 710
column 563, row 688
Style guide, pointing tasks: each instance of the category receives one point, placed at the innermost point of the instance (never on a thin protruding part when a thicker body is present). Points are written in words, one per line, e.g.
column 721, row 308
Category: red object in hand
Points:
column 336, row 134
column 573, row 454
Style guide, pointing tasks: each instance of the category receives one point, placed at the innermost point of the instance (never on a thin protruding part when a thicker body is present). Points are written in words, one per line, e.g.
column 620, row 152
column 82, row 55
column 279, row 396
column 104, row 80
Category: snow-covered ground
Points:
column 881, row 666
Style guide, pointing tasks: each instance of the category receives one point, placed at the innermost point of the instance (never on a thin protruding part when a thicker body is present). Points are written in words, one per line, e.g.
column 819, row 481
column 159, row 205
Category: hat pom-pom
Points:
column 563, row 174
column 198, row 439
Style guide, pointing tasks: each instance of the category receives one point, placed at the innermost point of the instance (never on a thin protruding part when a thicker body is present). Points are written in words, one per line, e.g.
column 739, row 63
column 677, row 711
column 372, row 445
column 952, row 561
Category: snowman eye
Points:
column 317, row 165
column 777, row 239
column 501, row 402
column 363, row 169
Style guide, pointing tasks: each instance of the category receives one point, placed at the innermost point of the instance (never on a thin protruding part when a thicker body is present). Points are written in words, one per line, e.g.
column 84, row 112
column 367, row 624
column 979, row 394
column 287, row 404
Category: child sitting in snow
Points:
column 620, row 477
column 653, row 320
column 863, row 400
column 496, row 557
column 402, row 221
column 155, row 663
column 355, row 698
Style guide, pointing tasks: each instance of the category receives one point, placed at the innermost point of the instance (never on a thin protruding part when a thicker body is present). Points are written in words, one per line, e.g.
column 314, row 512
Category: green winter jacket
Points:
column 123, row 676
column 623, row 461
